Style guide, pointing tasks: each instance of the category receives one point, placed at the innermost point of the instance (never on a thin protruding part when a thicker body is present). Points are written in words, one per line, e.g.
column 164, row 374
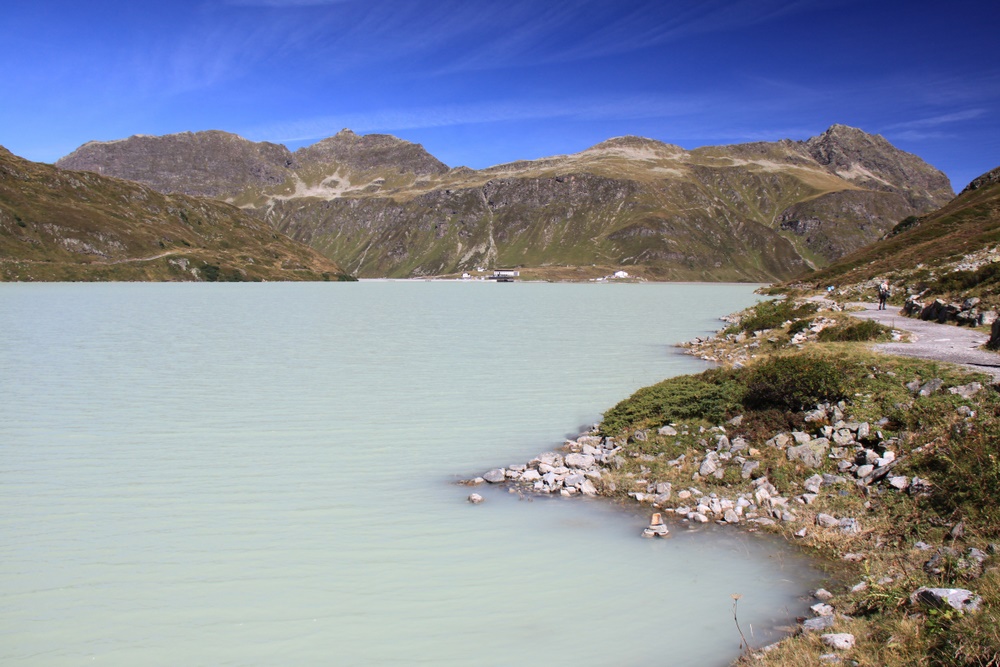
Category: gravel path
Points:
column 941, row 342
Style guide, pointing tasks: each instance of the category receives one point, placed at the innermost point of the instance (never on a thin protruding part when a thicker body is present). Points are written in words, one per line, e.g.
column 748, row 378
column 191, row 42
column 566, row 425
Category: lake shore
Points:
column 852, row 477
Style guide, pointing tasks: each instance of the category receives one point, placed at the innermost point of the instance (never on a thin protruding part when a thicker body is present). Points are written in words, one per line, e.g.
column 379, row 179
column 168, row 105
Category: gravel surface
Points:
column 941, row 342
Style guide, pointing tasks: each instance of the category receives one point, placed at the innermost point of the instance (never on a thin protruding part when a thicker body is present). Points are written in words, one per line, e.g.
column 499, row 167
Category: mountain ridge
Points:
column 390, row 208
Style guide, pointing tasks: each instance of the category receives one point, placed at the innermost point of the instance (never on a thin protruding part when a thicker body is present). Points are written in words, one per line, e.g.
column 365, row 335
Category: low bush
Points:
column 864, row 330
column 712, row 396
column 962, row 281
column 771, row 314
column 795, row 382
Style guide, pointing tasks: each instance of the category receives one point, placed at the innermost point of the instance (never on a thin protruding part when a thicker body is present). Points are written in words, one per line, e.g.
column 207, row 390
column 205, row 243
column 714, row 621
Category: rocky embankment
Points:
column 867, row 462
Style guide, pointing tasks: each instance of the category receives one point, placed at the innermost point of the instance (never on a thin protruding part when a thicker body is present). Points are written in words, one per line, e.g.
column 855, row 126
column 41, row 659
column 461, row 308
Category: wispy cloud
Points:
column 524, row 35
column 938, row 120
column 474, row 114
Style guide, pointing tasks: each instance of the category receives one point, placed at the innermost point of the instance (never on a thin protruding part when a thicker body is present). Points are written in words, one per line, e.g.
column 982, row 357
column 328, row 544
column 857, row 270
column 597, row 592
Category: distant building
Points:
column 505, row 275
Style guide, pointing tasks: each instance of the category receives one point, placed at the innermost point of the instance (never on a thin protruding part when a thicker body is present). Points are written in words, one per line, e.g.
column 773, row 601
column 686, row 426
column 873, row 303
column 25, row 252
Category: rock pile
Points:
column 568, row 473
column 863, row 456
column 967, row 312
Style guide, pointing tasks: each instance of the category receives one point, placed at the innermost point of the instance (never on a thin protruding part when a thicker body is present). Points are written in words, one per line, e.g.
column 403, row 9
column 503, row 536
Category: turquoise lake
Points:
column 265, row 474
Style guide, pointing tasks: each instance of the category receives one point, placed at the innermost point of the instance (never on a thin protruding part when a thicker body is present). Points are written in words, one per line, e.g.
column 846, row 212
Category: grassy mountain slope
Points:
column 65, row 225
column 951, row 250
column 381, row 206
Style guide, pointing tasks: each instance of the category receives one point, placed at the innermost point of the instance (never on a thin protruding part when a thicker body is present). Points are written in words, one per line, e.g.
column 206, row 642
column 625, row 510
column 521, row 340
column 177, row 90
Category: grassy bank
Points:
column 904, row 493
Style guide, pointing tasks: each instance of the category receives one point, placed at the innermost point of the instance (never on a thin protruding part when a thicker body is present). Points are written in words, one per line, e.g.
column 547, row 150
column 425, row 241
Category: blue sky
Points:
column 481, row 82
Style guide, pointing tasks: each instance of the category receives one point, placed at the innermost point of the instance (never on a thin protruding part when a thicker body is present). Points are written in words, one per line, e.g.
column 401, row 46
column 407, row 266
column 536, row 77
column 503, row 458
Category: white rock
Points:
column 841, row 641
column 813, row 483
column 822, row 609
column 900, row 482
column 580, row 461
column 823, row 595
column 530, row 476
column 495, row 476
column 957, row 598
column 475, row 498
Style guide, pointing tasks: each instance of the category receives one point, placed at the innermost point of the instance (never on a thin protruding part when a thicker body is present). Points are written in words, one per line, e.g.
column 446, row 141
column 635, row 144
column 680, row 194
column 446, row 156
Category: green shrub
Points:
column 771, row 314
column 797, row 326
column 712, row 395
column 906, row 223
column 793, row 383
column 211, row 272
column 864, row 330
column 962, row 281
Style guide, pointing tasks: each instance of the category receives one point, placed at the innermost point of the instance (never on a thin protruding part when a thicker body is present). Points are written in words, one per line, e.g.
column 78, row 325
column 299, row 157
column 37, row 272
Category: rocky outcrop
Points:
column 872, row 163
column 209, row 164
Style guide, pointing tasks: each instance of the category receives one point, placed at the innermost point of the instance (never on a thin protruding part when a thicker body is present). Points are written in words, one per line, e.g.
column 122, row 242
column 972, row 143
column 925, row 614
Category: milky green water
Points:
column 264, row 474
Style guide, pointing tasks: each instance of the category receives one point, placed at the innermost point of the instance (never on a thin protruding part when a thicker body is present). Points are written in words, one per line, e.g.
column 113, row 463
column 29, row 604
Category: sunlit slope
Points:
column 64, row 225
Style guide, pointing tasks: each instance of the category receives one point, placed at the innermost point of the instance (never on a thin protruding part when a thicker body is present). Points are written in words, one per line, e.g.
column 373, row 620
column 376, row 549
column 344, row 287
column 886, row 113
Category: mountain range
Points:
column 379, row 206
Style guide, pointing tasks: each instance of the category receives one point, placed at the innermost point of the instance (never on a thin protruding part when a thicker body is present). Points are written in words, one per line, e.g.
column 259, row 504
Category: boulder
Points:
column 813, row 484
column 530, row 476
column 747, row 470
column 821, row 609
column 818, row 624
column 957, row 598
column 580, row 461
column 817, row 415
column 475, row 498
column 812, row 454
column 709, row 466
column 800, row 437
column 495, row 476
column 899, row 482
column 780, row 441
column 826, row 520
column 966, row 390
column 931, row 387
column 667, row 430
column 842, row 641
column 864, row 471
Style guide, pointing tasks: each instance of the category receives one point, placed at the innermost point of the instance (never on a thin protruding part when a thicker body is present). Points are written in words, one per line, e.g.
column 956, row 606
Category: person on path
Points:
column 883, row 294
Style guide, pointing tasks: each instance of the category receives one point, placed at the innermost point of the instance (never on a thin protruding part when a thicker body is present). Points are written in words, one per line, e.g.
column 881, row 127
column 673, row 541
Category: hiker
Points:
column 883, row 294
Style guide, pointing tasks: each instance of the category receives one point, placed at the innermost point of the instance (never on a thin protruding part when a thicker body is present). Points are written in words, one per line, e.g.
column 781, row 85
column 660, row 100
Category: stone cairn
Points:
column 656, row 527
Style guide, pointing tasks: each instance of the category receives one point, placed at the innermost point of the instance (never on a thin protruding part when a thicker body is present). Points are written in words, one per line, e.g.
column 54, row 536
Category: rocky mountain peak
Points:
column 371, row 152
column 210, row 163
column 634, row 144
column 870, row 161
